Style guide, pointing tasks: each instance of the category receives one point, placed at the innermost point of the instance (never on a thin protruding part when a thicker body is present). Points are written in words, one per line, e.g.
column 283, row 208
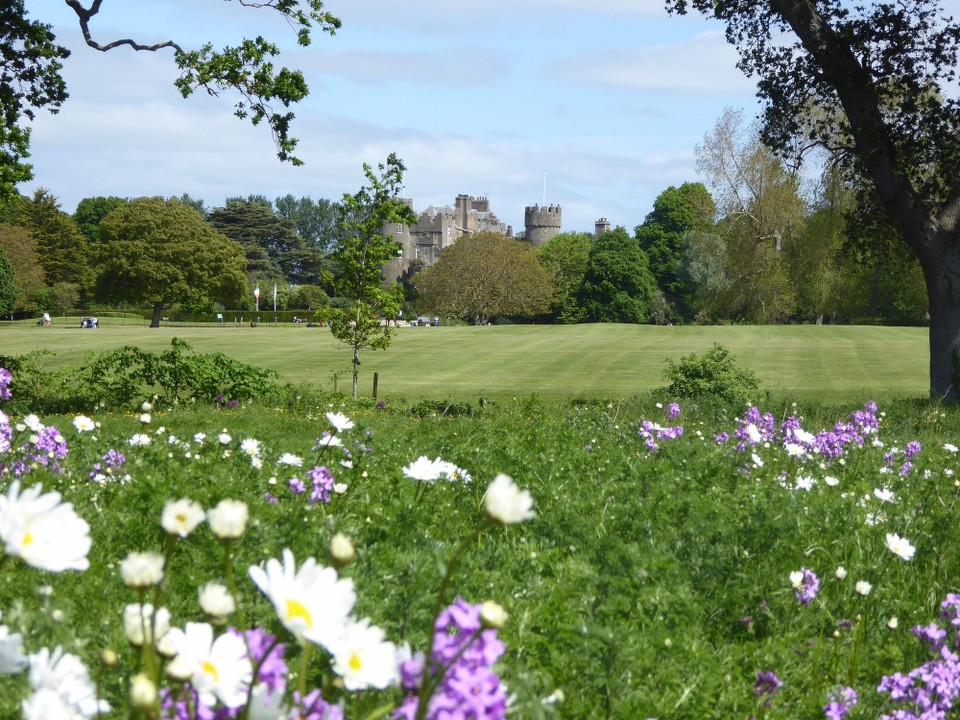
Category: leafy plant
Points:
column 712, row 374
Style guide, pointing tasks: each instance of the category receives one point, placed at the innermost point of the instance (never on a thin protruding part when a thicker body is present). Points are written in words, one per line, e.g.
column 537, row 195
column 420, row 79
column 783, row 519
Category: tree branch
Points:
column 860, row 101
column 85, row 14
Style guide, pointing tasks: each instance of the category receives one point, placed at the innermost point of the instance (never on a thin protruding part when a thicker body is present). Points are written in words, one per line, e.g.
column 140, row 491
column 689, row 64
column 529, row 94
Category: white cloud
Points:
column 703, row 64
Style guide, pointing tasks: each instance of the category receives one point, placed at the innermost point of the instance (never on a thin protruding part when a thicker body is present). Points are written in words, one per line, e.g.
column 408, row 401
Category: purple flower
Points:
column 906, row 468
column 296, row 486
column 6, row 377
column 767, row 683
column 673, row 410
column 464, row 651
column 840, row 701
column 913, row 448
column 806, row 585
column 322, row 480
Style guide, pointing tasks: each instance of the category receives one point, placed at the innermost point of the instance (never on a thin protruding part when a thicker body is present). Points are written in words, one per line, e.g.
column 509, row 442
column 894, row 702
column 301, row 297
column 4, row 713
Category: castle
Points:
column 439, row 227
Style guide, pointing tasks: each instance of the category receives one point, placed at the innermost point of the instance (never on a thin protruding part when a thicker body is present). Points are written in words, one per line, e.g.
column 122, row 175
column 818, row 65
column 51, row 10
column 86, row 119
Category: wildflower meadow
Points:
column 326, row 559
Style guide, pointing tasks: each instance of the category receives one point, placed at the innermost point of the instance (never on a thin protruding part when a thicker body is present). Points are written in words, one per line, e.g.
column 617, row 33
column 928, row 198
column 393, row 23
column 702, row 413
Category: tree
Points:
column 274, row 251
column 91, row 211
column 21, row 250
column 361, row 252
column 161, row 252
column 874, row 84
column 483, row 276
column 763, row 215
column 315, row 222
column 676, row 212
column 31, row 62
column 617, row 285
column 8, row 289
column 565, row 256
column 62, row 249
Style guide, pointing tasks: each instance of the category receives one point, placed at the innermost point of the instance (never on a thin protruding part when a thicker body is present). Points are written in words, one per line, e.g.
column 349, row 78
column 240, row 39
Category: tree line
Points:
column 752, row 244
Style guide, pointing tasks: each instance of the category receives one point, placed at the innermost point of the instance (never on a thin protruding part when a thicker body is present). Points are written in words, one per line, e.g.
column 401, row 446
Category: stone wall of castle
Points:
column 541, row 223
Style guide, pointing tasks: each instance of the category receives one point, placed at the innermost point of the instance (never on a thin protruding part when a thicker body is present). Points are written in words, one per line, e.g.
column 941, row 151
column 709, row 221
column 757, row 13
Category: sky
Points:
column 593, row 105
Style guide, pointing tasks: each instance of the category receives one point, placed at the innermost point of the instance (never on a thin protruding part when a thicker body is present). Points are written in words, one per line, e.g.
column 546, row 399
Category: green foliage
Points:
column 61, row 249
column 361, row 252
column 159, row 252
column 712, row 374
column 483, row 276
column 565, row 257
column 31, row 80
column 676, row 212
column 617, row 284
column 124, row 377
column 8, row 288
column 90, row 213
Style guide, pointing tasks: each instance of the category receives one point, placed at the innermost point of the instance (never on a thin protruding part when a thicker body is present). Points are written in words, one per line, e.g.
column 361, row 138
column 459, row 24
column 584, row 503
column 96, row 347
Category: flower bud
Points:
column 492, row 615
column 342, row 552
column 143, row 693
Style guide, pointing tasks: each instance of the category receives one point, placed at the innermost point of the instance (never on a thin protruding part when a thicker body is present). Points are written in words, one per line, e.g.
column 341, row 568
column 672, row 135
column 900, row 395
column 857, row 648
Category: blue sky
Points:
column 607, row 99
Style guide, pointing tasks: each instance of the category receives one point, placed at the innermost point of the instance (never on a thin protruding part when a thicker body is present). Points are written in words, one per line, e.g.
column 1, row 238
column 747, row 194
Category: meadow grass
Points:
column 651, row 584
column 558, row 363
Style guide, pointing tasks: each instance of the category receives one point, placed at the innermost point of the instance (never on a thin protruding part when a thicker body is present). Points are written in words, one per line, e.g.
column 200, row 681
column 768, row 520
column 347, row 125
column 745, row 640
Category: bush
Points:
column 713, row 374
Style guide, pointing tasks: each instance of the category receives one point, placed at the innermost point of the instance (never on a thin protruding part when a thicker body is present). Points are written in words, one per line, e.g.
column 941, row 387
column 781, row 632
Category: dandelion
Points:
column 42, row 531
column 311, row 602
column 900, row 547
column 505, row 503
column 363, row 659
column 141, row 570
column 181, row 517
column 228, row 519
column 339, row 421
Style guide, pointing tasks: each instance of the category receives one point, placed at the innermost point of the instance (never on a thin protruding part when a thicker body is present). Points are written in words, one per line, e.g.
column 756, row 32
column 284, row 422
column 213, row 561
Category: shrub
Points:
column 713, row 374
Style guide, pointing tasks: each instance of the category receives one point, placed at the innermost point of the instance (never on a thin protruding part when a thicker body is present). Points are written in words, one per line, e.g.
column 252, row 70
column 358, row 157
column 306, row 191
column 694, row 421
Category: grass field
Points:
column 827, row 363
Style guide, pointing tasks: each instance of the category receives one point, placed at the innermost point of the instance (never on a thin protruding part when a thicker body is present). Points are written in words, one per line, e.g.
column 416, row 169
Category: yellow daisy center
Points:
column 27, row 539
column 355, row 662
column 210, row 669
column 295, row 609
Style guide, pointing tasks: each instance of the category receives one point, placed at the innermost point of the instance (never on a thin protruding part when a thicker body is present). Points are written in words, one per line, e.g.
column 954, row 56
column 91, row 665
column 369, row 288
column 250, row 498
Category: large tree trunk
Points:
column 941, row 270
column 157, row 314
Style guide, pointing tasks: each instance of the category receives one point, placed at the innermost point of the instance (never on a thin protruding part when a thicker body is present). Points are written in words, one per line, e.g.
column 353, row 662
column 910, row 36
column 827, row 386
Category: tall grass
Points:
column 652, row 583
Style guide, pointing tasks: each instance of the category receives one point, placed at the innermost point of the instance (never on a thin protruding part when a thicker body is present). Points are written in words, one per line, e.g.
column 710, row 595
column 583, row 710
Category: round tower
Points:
column 541, row 223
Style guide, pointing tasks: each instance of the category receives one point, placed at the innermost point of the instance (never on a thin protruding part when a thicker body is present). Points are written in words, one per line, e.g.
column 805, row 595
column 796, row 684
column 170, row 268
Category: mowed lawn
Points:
column 829, row 363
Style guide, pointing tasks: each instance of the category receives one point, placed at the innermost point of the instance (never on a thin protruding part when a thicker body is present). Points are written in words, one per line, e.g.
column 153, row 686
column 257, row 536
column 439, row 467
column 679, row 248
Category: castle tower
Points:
column 541, row 223
column 601, row 226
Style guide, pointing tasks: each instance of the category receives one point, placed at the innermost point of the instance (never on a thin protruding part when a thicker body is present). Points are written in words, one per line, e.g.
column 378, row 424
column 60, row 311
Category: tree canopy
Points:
column 161, row 252
column 31, row 62
column 483, row 276
column 565, row 257
column 875, row 84
column 617, row 285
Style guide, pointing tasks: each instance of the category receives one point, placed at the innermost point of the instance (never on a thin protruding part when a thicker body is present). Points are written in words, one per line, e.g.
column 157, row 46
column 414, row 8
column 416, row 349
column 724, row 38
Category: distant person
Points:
column 45, row 319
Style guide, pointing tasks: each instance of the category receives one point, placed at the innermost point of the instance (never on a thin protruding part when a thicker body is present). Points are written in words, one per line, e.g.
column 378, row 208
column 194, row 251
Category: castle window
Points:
column 399, row 228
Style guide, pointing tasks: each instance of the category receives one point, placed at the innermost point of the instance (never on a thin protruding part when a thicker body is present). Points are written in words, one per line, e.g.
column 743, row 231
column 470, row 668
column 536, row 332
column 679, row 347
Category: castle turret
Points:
column 541, row 223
